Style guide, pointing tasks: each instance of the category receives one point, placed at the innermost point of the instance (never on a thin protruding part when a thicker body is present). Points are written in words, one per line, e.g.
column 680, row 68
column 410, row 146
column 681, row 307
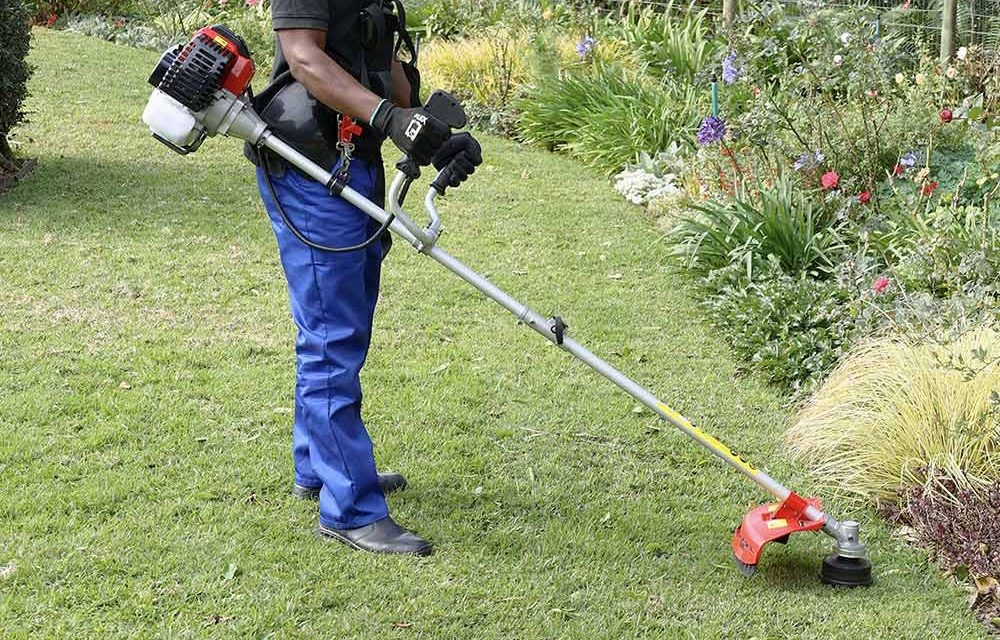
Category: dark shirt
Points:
column 339, row 18
column 342, row 21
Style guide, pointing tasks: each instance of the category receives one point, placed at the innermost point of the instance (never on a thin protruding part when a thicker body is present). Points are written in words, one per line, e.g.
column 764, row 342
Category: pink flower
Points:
column 864, row 197
column 945, row 115
column 881, row 284
column 52, row 20
column 830, row 180
column 252, row 3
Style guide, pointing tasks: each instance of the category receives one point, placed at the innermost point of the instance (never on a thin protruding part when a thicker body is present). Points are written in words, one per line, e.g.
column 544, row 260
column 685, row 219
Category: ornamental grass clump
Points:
column 896, row 415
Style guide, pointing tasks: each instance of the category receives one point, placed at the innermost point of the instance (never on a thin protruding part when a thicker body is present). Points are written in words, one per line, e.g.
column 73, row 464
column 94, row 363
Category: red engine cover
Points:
column 240, row 71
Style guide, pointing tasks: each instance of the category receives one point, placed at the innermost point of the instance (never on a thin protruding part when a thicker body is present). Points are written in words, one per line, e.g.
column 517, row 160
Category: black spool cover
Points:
column 846, row 572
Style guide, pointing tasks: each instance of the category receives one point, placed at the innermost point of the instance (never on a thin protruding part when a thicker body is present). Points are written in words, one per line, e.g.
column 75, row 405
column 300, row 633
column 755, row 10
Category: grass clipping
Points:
column 894, row 415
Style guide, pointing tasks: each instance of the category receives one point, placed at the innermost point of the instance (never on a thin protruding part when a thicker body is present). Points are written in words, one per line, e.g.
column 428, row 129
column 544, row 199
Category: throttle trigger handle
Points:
column 446, row 108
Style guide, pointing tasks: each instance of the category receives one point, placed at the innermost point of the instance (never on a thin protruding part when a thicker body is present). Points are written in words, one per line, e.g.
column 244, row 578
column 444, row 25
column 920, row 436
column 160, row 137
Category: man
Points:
column 340, row 57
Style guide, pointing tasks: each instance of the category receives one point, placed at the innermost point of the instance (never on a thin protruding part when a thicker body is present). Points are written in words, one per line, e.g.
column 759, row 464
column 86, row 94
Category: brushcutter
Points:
column 202, row 89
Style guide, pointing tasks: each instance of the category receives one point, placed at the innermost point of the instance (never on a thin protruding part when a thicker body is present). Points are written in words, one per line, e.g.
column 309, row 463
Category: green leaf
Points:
column 961, row 572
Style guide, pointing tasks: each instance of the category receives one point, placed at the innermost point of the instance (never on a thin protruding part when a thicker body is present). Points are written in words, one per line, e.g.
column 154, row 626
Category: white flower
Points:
column 962, row 53
column 900, row 78
column 846, row 38
column 639, row 187
column 952, row 73
column 838, row 59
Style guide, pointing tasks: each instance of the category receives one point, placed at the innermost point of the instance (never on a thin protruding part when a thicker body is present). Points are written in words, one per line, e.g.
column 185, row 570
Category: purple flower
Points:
column 731, row 72
column 909, row 159
column 585, row 46
column 809, row 160
column 712, row 129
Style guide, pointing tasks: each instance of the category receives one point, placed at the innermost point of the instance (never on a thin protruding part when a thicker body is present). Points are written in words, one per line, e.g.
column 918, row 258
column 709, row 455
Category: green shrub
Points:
column 608, row 116
column 895, row 415
column 673, row 41
column 42, row 10
column 782, row 221
column 14, row 72
column 792, row 329
column 128, row 33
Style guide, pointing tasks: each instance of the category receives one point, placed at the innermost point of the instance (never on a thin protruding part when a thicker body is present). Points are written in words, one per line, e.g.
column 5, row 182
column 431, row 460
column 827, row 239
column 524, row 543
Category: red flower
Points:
column 830, row 180
column 929, row 188
column 864, row 197
column 881, row 284
column 52, row 20
column 898, row 170
column 945, row 115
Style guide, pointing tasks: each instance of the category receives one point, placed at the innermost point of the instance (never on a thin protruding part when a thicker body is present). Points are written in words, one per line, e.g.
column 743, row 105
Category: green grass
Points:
column 145, row 411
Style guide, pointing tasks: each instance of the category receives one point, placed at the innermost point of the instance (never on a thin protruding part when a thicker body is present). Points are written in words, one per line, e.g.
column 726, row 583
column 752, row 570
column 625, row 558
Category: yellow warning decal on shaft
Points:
column 777, row 523
column 712, row 443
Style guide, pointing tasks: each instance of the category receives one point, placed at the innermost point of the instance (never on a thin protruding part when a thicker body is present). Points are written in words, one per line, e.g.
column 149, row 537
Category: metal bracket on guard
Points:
column 772, row 523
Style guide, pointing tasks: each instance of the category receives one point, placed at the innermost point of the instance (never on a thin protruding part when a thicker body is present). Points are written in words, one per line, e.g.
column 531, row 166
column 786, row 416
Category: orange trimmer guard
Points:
column 771, row 523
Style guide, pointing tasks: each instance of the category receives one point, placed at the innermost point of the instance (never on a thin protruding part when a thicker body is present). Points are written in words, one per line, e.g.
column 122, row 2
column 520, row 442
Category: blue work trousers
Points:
column 333, row 297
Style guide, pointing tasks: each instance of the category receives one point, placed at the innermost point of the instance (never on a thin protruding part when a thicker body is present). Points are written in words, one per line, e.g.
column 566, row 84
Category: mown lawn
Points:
column 145, row 412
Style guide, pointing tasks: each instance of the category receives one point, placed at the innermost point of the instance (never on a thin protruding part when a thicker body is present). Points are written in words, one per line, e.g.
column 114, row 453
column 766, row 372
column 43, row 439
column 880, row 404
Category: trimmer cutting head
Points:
column 848, row 565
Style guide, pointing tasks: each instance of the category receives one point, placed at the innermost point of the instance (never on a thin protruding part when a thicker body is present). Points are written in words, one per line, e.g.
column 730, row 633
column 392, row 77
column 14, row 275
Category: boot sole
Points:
column 331, row 534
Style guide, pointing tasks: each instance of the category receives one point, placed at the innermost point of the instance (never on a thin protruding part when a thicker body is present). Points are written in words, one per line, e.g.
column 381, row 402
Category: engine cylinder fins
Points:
column 196, row 73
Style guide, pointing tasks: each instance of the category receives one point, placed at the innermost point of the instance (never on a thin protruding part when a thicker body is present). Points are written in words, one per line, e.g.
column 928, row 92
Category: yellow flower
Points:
column 900, row 78
column 920, row 79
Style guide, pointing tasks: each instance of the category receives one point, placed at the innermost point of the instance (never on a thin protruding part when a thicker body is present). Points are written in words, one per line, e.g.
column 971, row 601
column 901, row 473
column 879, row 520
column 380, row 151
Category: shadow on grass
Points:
column 84, row 193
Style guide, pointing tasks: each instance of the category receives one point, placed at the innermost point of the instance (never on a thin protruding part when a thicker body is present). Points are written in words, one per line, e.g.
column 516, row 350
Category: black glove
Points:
column 457, row 159
column 416, row 132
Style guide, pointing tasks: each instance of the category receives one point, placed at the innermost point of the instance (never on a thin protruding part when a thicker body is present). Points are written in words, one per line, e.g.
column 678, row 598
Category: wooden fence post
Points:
column 949, row 16
column 728, row 13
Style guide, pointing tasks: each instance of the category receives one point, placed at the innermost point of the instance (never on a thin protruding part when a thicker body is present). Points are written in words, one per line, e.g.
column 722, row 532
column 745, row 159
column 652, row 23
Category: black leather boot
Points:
column 383, row 536
column 389, row 482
